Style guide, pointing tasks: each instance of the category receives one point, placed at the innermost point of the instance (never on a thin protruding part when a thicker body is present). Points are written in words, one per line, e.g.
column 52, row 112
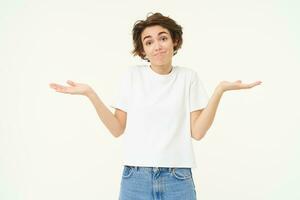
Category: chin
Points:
column 158, row 63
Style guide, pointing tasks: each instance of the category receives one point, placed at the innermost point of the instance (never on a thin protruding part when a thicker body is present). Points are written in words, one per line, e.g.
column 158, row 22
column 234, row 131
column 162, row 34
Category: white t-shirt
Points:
column 158, row 107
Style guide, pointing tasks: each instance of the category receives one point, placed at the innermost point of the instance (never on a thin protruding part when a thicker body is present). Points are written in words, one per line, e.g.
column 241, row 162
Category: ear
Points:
column 143, row 53
column 175, row 43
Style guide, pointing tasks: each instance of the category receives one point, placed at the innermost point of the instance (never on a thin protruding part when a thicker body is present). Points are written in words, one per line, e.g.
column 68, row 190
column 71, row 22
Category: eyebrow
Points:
column 148, row 36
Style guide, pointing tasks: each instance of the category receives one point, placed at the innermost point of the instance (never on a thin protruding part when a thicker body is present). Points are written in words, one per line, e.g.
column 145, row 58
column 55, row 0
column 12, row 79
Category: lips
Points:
column 159, row 53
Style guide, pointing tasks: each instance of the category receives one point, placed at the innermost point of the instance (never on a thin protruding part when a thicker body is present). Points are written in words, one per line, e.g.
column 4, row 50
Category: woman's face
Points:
column 158, row 45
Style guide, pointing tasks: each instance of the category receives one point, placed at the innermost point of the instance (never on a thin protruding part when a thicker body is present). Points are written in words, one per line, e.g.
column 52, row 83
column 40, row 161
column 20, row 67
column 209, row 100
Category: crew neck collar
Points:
column 161, row 75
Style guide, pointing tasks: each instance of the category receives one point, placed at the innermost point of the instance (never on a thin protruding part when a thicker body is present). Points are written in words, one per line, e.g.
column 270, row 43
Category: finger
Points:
column 53, row 85
column 254, row 84
column 58, row 88
column 63, row 90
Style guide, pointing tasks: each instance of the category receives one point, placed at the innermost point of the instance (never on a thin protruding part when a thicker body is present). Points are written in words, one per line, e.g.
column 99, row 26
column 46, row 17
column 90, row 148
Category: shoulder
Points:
column 184, row 69
column 187, row 72
column 192, row 75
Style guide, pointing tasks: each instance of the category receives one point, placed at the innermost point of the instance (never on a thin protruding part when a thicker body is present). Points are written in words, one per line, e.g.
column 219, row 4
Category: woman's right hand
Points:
column 74, row 88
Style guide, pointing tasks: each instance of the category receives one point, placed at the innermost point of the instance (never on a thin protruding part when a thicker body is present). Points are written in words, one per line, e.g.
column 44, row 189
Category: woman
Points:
column 166, row 105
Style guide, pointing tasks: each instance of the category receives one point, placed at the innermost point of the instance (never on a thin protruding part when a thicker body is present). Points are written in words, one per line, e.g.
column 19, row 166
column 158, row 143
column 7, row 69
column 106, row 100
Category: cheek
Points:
column 145, row 50
column 149, row 51
column 170, row 46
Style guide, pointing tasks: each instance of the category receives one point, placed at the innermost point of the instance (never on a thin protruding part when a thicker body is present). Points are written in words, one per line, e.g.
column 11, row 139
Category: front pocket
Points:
column 127, row 171
column 182, row 173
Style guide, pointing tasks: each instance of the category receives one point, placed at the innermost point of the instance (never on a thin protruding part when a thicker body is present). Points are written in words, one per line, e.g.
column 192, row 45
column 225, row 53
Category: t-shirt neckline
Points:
column 161, row 75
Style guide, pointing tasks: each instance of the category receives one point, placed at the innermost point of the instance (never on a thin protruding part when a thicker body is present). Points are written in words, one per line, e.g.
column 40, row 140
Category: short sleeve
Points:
column 198, row 94
column 121, row 98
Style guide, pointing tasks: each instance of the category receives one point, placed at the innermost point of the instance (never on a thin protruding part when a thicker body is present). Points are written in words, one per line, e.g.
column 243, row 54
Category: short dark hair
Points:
column 152, row 20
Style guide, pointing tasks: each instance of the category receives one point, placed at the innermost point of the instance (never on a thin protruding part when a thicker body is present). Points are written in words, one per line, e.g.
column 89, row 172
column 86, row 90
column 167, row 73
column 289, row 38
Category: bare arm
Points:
column 115, row 123
column 202, row 120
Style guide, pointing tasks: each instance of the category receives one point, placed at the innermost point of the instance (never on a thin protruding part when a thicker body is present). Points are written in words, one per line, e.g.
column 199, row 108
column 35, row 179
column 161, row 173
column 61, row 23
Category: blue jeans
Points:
column 157, row 183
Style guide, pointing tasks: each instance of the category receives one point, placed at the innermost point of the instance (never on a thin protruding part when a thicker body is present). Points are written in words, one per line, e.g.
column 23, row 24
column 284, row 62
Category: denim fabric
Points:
column 157, row 183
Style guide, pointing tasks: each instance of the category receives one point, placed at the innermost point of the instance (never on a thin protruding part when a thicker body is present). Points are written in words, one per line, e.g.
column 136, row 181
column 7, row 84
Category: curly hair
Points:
column 152, row 20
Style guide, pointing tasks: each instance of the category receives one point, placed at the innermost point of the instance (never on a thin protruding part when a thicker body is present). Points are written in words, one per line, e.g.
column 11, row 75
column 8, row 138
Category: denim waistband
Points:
column 169, row 169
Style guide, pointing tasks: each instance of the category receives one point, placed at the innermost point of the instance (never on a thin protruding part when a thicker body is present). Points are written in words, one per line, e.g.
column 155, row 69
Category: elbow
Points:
column 118, row 133
column 198, row 136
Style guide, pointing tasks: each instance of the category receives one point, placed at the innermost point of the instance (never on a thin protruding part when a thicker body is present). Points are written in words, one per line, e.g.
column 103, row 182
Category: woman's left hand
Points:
column 237, row 85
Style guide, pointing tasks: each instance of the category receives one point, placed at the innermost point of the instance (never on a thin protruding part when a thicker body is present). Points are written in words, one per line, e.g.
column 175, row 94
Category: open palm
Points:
column 74, row 88
column 237, row 85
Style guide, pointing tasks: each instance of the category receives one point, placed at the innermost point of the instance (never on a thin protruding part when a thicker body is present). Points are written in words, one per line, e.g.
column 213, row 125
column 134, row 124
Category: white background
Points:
column 54, row 146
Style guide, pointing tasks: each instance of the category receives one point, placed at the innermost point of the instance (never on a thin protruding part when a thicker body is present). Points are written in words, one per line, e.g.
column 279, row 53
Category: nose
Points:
column 157, row 46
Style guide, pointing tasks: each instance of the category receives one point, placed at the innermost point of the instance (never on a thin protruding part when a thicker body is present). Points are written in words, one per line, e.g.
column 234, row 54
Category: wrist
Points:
column 89, row 93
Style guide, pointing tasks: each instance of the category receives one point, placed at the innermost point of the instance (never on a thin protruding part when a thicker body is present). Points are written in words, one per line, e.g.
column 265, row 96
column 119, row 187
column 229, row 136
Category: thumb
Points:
column 71, row 83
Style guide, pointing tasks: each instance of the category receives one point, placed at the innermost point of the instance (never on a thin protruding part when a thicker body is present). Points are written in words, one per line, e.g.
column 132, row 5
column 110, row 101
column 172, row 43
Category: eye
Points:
column 148, row 42
column 164, row 38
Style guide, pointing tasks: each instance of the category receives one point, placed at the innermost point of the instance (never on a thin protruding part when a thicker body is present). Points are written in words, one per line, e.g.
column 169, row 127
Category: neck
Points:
column 162, row 69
